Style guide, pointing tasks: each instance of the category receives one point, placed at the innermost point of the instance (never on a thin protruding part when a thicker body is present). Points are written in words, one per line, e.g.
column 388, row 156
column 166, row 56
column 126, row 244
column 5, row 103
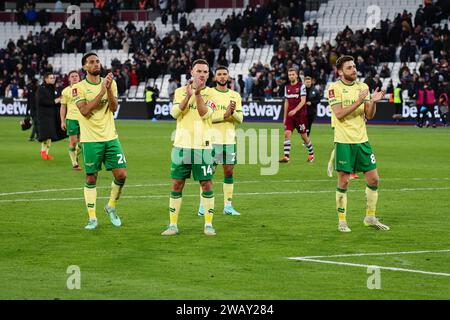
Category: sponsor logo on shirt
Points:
column 211, row 105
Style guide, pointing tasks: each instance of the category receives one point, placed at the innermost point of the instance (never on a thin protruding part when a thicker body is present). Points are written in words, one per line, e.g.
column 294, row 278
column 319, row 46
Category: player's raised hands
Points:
column 363, row 94
column 199, row 85
column 377, row 95
column 189, row 89
column 108, row 80
column 230, row 109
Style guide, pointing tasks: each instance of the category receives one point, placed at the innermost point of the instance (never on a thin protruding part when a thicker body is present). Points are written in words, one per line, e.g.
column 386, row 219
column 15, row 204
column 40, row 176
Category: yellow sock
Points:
column 208, row 202
column 77, row 148
column 43, row 146
column 332, row 156
column 116, row 190
column 372, row 198
column 90, row 197
column 341, row 204
column 73, row 156
column 228, row 193
column 174, row 207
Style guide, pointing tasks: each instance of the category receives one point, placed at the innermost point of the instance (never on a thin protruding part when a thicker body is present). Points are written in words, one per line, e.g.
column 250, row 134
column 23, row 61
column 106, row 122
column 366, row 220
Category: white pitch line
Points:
column 237, row 194
column 373, row 266
column 194, row 183
column 371, row 254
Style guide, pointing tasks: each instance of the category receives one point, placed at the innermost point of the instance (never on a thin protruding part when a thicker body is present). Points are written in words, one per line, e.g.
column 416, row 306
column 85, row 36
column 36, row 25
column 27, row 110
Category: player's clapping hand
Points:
column 378, row 95
column 108, row 80
column 189, row 89
column 230, row 109
column 363, row 94
column 199, row 85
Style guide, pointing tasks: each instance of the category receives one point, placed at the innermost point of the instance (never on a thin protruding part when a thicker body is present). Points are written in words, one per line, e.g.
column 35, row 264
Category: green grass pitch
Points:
column 290, row 214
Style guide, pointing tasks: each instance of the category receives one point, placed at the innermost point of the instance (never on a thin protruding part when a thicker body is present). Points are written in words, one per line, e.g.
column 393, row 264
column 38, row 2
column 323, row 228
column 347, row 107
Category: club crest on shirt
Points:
column 74, row 92
column 331, row 93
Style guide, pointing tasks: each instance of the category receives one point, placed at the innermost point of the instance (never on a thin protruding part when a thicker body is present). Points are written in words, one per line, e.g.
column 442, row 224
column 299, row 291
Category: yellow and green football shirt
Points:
column 193, row 131
column 68, row 98
column 352, row 128
column 226, row 131
column 99, row 125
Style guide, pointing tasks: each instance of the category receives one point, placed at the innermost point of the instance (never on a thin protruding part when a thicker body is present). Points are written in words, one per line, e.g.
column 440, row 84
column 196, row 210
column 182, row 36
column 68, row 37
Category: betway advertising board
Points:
column 261, row 111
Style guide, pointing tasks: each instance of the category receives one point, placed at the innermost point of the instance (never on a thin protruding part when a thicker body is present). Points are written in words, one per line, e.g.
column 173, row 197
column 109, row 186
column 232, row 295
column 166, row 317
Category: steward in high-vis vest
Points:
column 398, row 102
column 149, row 92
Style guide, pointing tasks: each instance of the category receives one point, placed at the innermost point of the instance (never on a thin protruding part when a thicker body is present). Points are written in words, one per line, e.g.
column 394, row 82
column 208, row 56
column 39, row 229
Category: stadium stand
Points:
column 257, row 43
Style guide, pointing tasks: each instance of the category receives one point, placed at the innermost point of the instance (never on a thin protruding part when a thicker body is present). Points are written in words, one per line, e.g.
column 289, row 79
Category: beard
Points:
column 95, row 73
column 350, row 77
column 222, row 83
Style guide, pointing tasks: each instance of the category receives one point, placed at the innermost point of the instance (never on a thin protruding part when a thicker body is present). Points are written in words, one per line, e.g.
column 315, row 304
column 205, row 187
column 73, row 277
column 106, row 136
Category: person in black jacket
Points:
column 31, row 108
column 48, row 115
column 312, row 100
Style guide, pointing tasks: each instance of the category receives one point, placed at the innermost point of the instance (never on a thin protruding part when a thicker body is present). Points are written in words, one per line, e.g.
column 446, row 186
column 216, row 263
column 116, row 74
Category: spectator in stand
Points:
column 370, row 81
column 142, row 5
column 248, row 86
column 31, row 14
column 172, row 87
column 385, row 72
column 269, row 85
column 241, row 83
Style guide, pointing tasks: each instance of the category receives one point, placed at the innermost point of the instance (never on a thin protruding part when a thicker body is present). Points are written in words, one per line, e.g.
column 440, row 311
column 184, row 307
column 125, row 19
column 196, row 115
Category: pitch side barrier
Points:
column 265, row 110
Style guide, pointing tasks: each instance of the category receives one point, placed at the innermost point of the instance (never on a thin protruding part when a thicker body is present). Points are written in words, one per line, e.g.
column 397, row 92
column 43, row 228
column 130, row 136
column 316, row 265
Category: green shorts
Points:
column 199, row 161
column 356, row 157
column 73, row 127
column 224, row 154
column 108, row 152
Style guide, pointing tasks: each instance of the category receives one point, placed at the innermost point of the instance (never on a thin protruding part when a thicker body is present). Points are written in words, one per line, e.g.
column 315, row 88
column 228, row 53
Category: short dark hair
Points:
column 47, row 74
column 221, row 68
column 72, row 71
column 200, row 61
column 87, row 55
column 341, row 60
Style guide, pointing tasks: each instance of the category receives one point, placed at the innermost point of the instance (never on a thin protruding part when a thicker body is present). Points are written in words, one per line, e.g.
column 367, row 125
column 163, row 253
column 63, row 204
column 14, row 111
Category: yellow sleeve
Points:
column 210, row 112
column 217, row 116
column 64, row 99
column 238, row 115
column 80, row 94
column 114, row 89
column 334, row 95
column 178, row 97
